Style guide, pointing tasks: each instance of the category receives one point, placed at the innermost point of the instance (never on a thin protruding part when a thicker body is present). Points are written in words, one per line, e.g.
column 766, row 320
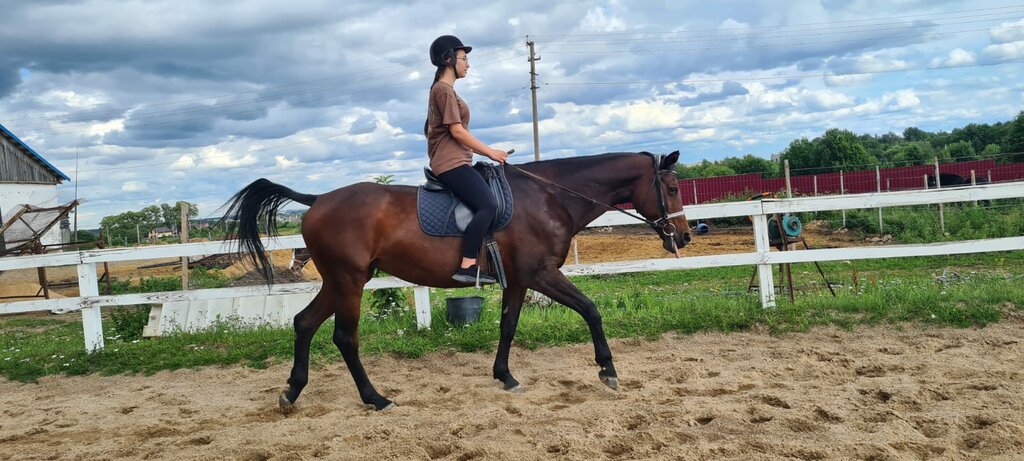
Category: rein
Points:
column 657, row 224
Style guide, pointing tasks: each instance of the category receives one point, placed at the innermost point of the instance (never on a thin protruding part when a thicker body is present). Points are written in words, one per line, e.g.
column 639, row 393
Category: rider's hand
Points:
column 497, row 155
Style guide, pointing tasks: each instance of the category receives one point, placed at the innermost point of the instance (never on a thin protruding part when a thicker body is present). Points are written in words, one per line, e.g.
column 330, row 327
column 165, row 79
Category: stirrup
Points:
column 472, row 274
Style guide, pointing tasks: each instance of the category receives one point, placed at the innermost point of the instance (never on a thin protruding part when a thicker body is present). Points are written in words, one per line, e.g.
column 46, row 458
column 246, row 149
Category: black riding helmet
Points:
column 443, row 50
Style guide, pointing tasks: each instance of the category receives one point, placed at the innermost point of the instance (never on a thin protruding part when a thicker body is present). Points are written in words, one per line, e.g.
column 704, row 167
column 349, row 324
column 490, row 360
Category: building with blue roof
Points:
column 26, row 178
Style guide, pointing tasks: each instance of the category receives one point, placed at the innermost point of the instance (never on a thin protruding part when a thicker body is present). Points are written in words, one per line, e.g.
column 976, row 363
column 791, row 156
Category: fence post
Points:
column 184, row 239
column 815, row 185
column 878, row 185
column 695, row 192
column 765, row 286
column 842, row 191
column 974, row 182
column 942, row 209
column 789, row 187
column 422, row 298
column 92, row 323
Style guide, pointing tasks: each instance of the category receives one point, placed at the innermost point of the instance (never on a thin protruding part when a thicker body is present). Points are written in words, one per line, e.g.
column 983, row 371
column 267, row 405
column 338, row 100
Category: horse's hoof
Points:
column 370, row 406
column 511, row 385
column 285, row 405
column 517, row 389
column 611, row 382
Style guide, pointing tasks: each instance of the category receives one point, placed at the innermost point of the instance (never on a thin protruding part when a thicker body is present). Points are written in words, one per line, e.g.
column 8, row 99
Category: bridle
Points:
column 662, row 225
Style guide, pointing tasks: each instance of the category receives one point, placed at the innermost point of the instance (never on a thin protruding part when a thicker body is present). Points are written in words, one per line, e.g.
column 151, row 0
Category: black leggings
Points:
column 471, row 188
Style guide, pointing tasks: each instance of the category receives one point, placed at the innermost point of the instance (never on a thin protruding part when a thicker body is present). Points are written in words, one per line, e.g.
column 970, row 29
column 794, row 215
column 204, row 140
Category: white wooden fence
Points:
column 90, row 302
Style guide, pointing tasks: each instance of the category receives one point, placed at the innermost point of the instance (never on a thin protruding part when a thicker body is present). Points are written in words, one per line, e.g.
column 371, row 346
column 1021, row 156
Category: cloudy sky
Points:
column 191, row 100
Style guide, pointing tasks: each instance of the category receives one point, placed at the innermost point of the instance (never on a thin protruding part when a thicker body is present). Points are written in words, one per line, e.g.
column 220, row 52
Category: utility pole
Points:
column 533, row 90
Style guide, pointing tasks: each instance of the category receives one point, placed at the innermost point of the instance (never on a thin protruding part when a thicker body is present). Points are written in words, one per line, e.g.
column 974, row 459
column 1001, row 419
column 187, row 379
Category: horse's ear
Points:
column 669, row 160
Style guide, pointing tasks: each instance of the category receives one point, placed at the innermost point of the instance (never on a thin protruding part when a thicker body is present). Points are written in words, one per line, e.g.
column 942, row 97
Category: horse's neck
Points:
column 608, row 183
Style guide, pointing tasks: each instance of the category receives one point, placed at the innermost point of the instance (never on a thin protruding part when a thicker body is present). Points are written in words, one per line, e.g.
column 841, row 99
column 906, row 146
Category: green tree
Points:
column 1013, row 143
column 125, row 228
column 914, row 133
column 384, row 179
column 991, row 150
column 835, row 150
column 704, row 169
column 915, row 153
column 960, row 151
column 751, row 164
column 171, row 215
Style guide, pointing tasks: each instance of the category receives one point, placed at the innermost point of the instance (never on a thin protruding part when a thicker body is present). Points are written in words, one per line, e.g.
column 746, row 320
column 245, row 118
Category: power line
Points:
column 829, row 31
column 782, row 77
column 1014, row 7
column 866, row 41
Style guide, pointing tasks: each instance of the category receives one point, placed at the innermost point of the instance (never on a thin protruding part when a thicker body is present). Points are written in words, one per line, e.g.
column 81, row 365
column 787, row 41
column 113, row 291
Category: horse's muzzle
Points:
column 680, row 240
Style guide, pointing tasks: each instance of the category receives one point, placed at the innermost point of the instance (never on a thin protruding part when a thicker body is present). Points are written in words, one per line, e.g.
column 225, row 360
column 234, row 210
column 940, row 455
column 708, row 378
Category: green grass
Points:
column 959, row 291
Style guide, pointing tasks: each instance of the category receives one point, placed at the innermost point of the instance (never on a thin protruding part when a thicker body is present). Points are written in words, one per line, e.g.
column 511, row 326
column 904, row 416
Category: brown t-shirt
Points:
column 445, row 108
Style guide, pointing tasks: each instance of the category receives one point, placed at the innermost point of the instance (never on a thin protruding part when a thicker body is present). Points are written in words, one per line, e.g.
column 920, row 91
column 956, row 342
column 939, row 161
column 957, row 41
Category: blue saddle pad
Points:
column 442, row 215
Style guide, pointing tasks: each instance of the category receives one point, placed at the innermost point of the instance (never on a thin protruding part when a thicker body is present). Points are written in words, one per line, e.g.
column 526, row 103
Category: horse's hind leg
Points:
column 346, row 337
column 512, row 303
column 306, row 324
column 553, row 284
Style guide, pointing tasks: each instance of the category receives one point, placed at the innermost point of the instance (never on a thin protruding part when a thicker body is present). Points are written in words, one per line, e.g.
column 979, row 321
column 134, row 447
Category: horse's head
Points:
column 656, row 197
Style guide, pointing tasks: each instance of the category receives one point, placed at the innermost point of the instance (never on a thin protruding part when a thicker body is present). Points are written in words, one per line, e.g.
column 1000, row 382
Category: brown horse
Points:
column 355, row 229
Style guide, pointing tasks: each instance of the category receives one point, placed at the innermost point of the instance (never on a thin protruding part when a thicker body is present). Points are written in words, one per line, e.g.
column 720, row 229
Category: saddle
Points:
column 441, row 214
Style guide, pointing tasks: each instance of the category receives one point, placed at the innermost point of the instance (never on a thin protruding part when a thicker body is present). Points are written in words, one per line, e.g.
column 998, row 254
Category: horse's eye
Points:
column 673, row 190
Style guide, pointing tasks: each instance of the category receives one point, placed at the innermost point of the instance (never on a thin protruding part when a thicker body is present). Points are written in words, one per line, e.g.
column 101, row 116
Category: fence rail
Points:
column 90, row 302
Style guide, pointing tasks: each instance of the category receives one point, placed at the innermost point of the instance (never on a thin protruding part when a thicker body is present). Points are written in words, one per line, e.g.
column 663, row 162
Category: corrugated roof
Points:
column 34, row 154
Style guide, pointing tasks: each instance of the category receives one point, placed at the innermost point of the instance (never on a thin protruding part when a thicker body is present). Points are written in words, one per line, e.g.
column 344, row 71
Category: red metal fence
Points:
column 853, row 182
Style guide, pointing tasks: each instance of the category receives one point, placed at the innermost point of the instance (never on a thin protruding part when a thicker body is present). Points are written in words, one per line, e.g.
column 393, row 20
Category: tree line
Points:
column 133, row 227
column 844, row 150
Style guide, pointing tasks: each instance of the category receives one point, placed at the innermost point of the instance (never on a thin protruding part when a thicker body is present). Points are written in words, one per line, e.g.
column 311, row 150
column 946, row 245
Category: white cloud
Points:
column 846, row 80
column 1004, row 51
column 71, row 99
column 184, row 162
column 133, row 186
column 283, row 162
column 900, row 100
column 732, row 24
column 597, row 21
column 1007, row 32
column 957, row 57
column 212, row 157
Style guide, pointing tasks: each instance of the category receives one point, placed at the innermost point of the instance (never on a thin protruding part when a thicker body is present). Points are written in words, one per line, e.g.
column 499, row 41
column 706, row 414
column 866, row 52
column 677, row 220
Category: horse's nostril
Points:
column 686, row 237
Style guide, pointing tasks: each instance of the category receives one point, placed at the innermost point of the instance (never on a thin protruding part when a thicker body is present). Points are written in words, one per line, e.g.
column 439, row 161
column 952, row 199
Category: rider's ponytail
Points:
column 437, row 76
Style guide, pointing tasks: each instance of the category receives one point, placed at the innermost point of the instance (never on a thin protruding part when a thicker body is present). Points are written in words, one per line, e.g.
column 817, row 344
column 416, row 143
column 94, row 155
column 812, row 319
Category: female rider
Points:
column 450, row 146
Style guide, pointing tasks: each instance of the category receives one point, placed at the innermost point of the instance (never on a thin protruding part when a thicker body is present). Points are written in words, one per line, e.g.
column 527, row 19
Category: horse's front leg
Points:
column 553, row 284
column 511, row 306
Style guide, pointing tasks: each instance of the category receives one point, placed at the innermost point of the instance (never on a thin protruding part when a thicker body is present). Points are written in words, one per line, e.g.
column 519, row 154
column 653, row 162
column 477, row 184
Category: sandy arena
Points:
column 875, row 393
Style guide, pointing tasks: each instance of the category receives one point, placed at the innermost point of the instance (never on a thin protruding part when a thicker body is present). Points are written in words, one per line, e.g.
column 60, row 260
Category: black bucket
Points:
column 464, row 310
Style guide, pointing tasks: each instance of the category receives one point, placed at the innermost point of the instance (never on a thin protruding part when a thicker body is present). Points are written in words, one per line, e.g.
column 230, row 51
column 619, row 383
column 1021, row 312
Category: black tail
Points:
column 257, row 204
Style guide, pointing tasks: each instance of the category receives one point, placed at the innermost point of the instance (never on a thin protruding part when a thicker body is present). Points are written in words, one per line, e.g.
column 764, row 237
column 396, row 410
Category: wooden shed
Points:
column 26, row 178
